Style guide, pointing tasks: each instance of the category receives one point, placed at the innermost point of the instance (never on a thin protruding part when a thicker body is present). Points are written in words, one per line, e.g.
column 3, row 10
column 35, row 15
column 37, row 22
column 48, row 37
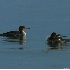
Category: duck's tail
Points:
column 67, row 40
column 1, row 34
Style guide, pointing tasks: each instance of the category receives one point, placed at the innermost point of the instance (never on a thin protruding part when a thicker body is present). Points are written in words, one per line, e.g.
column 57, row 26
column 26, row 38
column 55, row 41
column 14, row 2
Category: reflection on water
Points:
column 56, row 47
column 20, row 41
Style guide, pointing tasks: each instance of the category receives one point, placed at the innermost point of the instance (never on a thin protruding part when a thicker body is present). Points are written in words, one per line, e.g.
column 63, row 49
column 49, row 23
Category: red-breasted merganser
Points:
column 16, row 34
column 55, row 39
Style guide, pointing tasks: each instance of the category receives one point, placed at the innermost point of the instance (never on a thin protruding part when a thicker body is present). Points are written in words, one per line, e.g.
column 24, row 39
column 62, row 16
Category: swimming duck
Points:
column 16, row 34
column 56, row 39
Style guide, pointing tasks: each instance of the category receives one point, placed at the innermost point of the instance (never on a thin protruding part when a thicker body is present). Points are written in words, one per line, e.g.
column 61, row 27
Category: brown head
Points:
column 22, row 28
column 53, row 35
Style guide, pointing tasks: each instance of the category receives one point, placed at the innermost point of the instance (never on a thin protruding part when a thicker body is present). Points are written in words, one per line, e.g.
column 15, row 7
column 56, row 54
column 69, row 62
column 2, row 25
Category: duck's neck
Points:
column 24, row 34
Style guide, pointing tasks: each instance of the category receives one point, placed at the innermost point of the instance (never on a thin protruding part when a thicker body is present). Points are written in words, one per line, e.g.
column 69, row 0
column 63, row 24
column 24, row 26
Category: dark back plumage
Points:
column 14, row 34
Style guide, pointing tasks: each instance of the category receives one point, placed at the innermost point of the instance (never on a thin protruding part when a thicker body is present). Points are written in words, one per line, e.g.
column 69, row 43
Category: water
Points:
column 43, row 17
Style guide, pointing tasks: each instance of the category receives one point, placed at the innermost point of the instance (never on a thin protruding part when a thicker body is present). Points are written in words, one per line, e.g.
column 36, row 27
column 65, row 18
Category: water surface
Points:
column 43, row 17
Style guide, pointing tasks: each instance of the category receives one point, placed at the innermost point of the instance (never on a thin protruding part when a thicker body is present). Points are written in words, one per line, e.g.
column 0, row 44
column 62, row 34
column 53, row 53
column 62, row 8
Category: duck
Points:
column 56, row 39
column 16, row 34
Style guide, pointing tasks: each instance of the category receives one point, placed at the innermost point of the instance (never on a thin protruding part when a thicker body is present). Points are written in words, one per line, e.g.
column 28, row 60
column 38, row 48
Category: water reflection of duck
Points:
column 16, row 34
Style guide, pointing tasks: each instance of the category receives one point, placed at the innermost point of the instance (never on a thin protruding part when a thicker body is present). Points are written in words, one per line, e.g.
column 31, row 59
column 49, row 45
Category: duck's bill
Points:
column 63, row 36
column 27, row 28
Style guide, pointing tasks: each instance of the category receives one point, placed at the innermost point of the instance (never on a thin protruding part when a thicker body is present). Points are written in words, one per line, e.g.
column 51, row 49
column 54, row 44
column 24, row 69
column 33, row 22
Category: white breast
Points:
column 24, row 35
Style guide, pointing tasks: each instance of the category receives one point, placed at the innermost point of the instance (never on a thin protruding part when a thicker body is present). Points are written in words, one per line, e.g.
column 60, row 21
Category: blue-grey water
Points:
column 43, row 17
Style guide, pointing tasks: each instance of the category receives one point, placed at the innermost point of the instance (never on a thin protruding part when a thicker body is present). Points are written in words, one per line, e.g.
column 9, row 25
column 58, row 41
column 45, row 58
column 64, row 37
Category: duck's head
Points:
column 22, row 28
